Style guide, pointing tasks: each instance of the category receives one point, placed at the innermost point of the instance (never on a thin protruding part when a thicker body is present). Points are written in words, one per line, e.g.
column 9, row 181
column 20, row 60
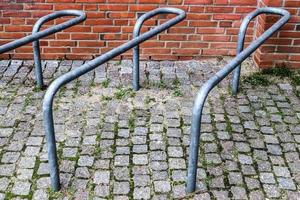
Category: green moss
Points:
column 281, row 71
column 257, row 79
column 177, row 92
column 122, row 92
column 105, row 83
column 106, row 98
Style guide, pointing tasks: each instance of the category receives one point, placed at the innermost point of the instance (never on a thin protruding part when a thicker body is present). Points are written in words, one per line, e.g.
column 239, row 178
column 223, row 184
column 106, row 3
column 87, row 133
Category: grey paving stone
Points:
column 256, row 195
column 121, row 188
column 142, row 193
column 40, row 194
column 286, row 183
column 238, row 193
column 140, row 159
column 252, row 183
column 101, row 190
column 235, row 178
column 7, row 169
column 21, row 188
column 271, row 191
column 4, row 182
column 245, row 159
column 267, row 178
column 82, row 172
column 102, row 177
column 281, row 171
column 176, row 163
column 162, row 186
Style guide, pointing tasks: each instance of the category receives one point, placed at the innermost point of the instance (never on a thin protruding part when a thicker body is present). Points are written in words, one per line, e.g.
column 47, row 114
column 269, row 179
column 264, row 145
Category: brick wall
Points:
column 283, row 49
column 209, row 30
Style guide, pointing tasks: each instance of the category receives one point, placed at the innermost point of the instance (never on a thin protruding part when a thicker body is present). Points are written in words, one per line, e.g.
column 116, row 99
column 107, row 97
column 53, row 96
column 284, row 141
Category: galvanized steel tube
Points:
column 213, row 81
column 136, row 49
column 71, row 75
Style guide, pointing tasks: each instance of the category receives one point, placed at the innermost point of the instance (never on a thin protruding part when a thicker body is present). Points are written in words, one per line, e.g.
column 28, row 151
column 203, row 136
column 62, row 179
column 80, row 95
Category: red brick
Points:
column 195, row 16
column 151, row 44
column 152, row 1
column 186, row 51
column 195, row 2
column 91, row 43
column 288, row 49
column 220, row 2
column 106, row 29
column 156, row 51
column 295, row 57
column 16, row 14
column 4, row 35
column 84, row 36
column 95, row 22
column 56, row 50
column 38, row 6
column 215, row 52
column 120, row 15
column 18, row 28
column 62, row 43
column 194, row 45
column 226, row 24
column 78, row 28
column 244, row 2
column 170, row 37
column 175, row 44
column 85, row 50
column 112, row 7
column 289, row 3
column 67, row 6
column 115, row 36
column 203, row 23
column 90, row 7
column 181, row 30
column 164, row 57
column 89, row 1
column 210, row 30
column 174, row 2
column 218, row 9
column 226, row 16
column 197, row 9
column 4, row 21
column 141, row 8
column 288, row 34
column 10, row 6
column 216, row 38
column 223, row 45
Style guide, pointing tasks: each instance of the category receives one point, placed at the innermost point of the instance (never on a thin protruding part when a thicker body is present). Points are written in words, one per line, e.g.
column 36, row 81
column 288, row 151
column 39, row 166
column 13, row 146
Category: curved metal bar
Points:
column 241, row 42
column 71, row 75
column 213, row 81
column 80, row 16
column 36, row 35
column 136, row 32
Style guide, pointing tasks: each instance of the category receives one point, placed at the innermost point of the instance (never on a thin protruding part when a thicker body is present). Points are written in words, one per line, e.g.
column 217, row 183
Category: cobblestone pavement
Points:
column 114, row 143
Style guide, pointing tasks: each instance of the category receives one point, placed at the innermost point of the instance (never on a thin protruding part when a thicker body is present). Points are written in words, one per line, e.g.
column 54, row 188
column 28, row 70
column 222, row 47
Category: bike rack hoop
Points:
column 242, row 35
column 80, row 16
column 216, row 79
column 136, row 32
column 77, row 72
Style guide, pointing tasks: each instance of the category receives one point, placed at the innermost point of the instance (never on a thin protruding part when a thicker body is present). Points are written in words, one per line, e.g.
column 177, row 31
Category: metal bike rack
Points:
column 219, row 76
column 36, row 28
column 36, row 35
column 136, row 49
column 71, row 75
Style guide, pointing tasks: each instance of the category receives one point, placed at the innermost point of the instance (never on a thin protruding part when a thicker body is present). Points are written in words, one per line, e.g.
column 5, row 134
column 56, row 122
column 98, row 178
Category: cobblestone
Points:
column 136, row 147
